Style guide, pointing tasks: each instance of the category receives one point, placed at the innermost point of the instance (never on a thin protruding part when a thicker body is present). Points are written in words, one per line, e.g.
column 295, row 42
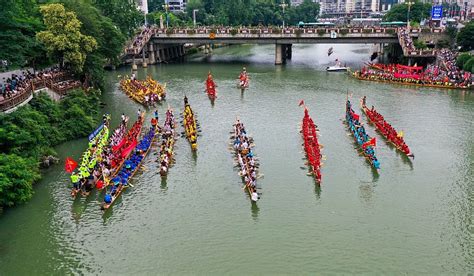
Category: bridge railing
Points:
column 17, row 99
column 291, row 30
column 247, row 31
column 59, row 83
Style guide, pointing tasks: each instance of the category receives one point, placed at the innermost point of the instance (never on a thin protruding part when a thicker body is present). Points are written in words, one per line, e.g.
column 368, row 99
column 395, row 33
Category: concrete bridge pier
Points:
column 279, row 54
column 134, row 65
column 288, row 51
column 144, row 64
column 151, row 54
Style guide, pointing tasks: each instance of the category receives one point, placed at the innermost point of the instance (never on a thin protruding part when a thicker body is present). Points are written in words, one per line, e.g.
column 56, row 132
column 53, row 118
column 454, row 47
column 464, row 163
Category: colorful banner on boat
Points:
column 127, row 150
column 94, row 134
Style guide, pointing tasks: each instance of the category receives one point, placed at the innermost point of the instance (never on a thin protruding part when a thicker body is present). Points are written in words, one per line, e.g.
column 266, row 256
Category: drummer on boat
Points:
column 243, row 77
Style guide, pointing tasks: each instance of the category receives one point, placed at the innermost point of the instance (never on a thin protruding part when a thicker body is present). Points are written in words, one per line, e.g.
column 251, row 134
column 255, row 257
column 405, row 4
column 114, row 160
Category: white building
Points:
column 177, row 5
column 349, row 6
column 142, row 5
column 298, row 2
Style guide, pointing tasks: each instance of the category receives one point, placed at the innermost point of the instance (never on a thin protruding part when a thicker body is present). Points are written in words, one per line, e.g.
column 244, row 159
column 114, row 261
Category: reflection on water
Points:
column 195, row 221
column 255, row 210
column 317, row 191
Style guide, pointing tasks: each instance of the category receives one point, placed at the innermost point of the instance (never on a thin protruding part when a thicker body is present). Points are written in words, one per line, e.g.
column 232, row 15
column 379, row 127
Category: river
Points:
column 414, row 217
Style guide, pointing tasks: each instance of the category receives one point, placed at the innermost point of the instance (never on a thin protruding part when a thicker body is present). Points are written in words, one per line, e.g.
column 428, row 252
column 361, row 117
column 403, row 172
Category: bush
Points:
column 343, row 31
column 321, row 32
column 390, row 31
column 17, row 175
column 276, row 30
column 298, row 32
column 233, row 32
column 254, row 31
column 469, row 65
column 367, row 31
column 425, row 30
column 419, row 44
column 169, row 31
column 462, row 59
column 443, row 43
column 191, row 32
column 30, row 132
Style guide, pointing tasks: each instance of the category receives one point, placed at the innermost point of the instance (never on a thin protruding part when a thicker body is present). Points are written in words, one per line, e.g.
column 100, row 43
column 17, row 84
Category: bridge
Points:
column 160, row 44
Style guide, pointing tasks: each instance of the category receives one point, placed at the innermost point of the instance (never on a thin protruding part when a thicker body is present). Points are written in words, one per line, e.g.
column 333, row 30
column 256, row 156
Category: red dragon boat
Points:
column 386, row 129
column 311, row 146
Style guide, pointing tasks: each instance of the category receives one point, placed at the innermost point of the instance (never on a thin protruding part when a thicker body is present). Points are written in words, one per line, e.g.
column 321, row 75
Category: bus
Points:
column 301, row 24
column 393, row 24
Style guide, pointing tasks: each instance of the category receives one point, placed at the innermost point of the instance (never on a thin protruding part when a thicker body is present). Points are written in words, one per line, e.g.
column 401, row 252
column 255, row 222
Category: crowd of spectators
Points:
column 26, row 81
column 63, row 86
column 445, row 73
column 140, row 40
column 14, row 85
column 405, row 40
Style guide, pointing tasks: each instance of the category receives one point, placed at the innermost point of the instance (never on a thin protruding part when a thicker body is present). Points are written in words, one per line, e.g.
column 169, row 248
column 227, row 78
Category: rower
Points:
column 254, row 195
column 75, row 178
column 363, row 100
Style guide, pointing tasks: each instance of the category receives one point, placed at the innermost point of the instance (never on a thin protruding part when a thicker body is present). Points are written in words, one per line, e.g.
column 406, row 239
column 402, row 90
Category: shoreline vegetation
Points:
column 31, row 132
column 81, row 37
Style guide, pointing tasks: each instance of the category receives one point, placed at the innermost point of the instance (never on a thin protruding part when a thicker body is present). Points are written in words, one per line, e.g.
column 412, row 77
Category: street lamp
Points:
column 194, row 17
column 166, row 7
column 283, row 5
column 408, row 14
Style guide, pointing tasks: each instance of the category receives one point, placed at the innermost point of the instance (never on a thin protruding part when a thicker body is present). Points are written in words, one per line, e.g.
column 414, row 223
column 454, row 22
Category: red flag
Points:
column 100, row 184
column 355, row 116
column 301, row 103
column 371, row 142
column 70, row 165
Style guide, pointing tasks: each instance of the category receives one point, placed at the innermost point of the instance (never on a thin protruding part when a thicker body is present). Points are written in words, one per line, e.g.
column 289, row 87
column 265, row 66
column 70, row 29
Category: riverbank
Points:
column 29, row 134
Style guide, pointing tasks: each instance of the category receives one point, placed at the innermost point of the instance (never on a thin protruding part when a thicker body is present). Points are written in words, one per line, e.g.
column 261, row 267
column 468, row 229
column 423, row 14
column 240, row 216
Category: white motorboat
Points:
column 337, row 68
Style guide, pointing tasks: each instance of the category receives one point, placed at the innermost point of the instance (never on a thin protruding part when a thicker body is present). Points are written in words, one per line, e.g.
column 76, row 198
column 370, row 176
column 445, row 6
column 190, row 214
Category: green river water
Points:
column 414, row 217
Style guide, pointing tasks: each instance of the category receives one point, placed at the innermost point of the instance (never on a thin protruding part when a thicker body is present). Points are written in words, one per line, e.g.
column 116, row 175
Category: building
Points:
column 142, row 5
column 350, row 6
column 386, row 5
column 177, row 5
column 298, row 2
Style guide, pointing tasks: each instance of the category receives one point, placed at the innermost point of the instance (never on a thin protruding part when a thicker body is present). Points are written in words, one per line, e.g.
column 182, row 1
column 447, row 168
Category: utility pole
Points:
column 194, row 17
column 408, row 14
column 283, row 5
column 166, row 7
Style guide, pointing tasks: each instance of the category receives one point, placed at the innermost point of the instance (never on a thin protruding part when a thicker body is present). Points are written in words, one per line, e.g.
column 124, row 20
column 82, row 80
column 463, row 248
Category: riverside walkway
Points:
column 59, row 82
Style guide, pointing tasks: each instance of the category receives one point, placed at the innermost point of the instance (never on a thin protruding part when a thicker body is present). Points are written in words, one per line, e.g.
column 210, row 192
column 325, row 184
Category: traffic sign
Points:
column 437, row 12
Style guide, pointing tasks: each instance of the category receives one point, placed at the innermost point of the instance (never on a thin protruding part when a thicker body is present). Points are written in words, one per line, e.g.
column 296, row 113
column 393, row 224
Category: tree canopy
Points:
column 30, row 133
column 243, row 13
column 19, row 21
column 399, row 12
column 63, row 38
column 465, row 37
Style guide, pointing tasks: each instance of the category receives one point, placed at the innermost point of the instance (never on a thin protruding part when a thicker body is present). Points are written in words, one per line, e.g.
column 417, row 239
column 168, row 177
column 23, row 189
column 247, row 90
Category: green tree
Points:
column 196, row 5
column 307, row 11
column 110, row 40
column 399, row 12
column 462, row 59
column 63, row 38
column 19, row 21
column 17, row 175
column 465, row 37
column 469, row 65
column 123, row 13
